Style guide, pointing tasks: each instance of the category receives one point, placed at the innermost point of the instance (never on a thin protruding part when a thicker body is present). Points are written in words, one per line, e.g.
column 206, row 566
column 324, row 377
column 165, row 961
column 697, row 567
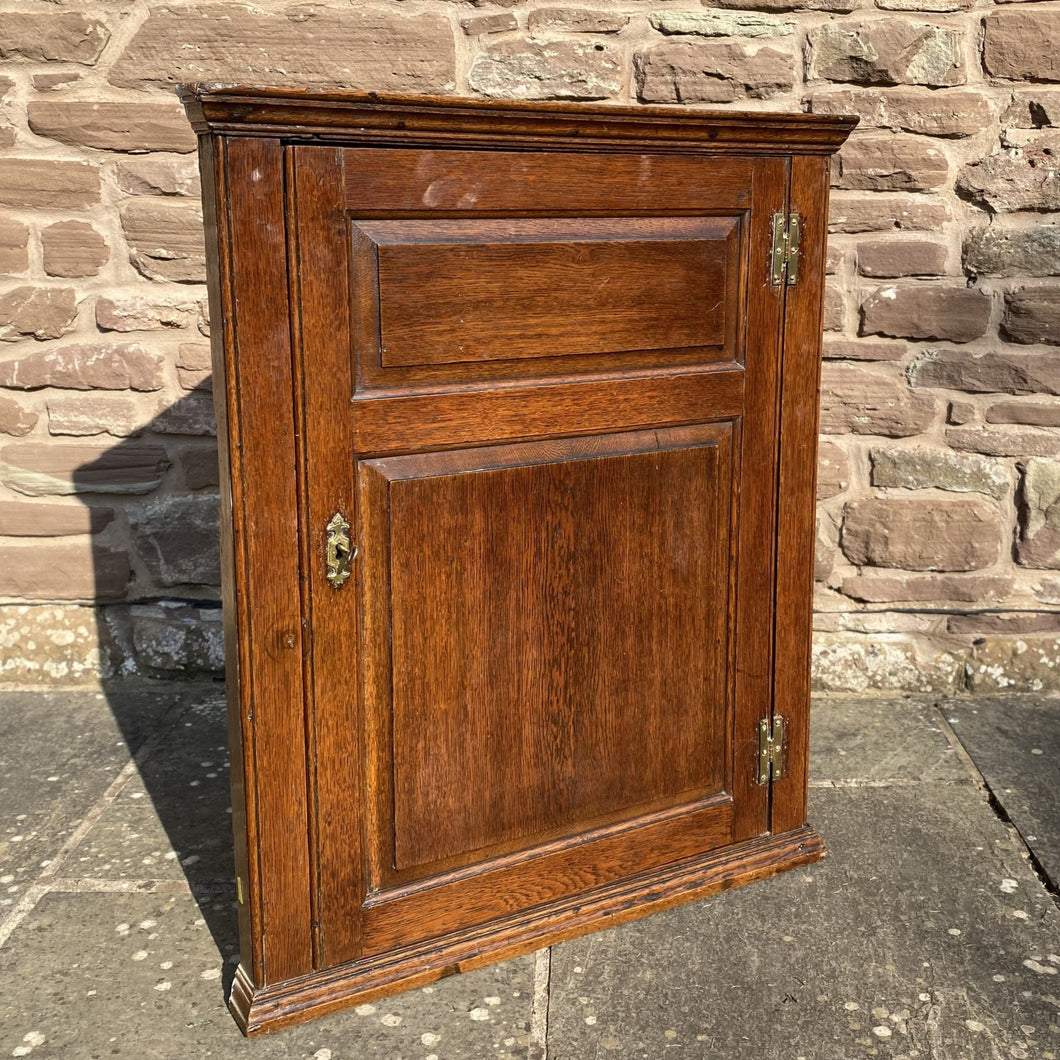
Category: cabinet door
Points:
column 542, row 388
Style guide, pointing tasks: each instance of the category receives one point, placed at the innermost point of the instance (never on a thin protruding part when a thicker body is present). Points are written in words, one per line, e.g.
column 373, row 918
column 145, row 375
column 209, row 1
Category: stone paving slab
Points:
column 138, row 975
column 872, row 741
column 924, row 933
column 1015, row 743
column 59, row 751
column 131, row 944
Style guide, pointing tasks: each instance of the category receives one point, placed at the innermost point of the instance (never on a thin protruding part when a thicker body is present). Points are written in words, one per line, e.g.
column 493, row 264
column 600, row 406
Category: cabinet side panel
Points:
column 266, row 544
column 240, row 735
column 799, row 401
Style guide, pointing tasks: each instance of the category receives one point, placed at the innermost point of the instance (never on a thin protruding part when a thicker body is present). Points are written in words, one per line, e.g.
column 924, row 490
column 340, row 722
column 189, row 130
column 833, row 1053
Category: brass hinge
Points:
column 784, row 257
column 771, row 740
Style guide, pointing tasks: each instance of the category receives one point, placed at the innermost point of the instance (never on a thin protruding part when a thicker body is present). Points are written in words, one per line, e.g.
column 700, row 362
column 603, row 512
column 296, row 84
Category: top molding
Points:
column 360, row 117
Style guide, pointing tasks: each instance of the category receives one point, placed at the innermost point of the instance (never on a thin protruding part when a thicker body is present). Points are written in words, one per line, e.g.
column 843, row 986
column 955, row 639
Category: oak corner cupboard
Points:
column 518, row 411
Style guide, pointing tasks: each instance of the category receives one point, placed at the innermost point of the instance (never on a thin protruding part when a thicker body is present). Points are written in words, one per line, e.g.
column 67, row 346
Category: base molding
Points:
column 260, row 1009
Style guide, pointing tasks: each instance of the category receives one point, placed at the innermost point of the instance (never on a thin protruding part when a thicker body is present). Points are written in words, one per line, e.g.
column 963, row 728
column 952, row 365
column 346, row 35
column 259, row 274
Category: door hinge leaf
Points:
column 784, row 255
column 772, row 738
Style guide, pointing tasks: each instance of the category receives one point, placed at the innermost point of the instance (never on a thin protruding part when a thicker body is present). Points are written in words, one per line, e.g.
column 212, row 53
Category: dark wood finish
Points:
column 756, row 557
column 332, row 617
column 532, row 354
column 521, row 183
column 373, row 117
column 532, row 220
column 258, row 1009
column 237, row 689
column 477, row 414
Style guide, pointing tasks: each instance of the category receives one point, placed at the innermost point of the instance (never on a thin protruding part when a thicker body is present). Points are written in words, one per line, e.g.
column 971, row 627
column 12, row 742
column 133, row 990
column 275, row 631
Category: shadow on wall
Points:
column 167, row 495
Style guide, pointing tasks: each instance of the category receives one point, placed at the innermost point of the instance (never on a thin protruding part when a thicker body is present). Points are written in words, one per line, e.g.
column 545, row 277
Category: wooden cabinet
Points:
column 518, row 407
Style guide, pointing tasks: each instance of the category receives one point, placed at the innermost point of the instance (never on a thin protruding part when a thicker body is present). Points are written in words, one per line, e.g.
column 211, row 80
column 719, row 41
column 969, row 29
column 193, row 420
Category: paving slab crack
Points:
column 896, row 782
column 539, row 1009
column 92, row 885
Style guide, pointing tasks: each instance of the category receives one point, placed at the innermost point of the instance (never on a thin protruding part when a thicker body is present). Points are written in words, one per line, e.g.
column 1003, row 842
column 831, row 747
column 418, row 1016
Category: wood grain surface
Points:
column 536, row 696
column 324, row 380
column 375, row 117
column 258, row 1010
column 800, row 403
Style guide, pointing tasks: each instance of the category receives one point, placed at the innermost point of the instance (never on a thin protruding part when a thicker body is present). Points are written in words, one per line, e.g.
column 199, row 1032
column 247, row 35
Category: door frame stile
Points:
column 298, row 374
column 320, row 284
column 755, row 569
column 799, row 409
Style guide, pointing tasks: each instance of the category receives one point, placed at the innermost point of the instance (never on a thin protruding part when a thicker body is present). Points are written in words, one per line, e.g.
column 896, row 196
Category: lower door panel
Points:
column 549, row 670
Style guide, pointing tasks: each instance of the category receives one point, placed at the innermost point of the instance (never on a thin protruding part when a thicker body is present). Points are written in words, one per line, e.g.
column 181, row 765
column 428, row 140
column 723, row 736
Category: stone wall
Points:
column 939, row 522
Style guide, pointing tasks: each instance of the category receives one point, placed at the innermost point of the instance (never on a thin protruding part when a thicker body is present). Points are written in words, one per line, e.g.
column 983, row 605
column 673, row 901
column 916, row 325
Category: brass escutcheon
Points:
column 339, row 554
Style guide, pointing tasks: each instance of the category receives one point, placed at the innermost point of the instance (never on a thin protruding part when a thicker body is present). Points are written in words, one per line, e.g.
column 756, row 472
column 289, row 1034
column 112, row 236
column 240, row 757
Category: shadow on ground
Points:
column 153, row 497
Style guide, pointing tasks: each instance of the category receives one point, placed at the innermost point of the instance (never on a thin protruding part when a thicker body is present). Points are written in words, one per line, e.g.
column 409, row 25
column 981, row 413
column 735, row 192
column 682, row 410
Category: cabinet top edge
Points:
column 369, row 116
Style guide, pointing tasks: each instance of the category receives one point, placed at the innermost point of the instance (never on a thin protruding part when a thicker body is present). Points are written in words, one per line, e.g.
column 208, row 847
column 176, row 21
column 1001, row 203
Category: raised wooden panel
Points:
column 573, row 668
column 542, row 265
column 452, row 291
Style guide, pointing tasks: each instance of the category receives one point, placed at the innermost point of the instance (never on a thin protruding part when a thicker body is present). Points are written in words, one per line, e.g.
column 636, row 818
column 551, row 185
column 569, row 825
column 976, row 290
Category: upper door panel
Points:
column 538, row 265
